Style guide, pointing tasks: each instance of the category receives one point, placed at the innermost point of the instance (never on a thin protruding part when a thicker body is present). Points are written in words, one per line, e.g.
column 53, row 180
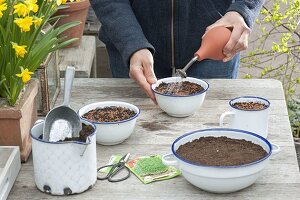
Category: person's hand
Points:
column 239, row 37
column 141, row 71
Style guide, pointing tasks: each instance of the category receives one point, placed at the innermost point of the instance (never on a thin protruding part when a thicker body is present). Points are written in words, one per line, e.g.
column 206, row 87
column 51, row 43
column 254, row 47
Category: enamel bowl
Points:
column 180, row 106
column 220, row 179
column 112, row 133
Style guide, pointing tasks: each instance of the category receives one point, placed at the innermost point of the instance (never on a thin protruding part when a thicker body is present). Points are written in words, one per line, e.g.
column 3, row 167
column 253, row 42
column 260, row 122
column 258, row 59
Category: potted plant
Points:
column 26, row 40
column 73, row 10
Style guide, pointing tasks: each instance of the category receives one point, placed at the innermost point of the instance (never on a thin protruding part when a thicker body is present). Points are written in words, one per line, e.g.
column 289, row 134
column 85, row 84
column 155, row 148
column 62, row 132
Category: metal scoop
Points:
column 62, row 121
column 212, row 45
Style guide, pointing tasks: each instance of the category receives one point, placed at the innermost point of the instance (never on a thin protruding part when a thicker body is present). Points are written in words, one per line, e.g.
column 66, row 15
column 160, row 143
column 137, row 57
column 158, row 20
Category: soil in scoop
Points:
column 83, row 134
column 109, row 114
column 250, row 105
column 220, row 151
column 184, row 88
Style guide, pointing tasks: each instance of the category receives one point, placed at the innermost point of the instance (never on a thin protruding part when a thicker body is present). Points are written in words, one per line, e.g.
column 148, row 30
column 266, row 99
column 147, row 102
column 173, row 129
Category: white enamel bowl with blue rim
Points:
column 220, row 179
column 180, row 106
column 112, row 133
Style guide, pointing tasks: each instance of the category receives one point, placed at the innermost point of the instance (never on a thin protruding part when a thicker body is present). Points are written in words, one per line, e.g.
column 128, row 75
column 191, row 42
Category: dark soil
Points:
column 109, row 114
column 184, row 88
column 250, row 105
column 221, row 151
column 83, row 134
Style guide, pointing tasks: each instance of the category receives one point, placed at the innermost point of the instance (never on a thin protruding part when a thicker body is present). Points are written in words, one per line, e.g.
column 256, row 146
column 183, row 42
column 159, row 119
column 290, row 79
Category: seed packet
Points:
column 150, row 168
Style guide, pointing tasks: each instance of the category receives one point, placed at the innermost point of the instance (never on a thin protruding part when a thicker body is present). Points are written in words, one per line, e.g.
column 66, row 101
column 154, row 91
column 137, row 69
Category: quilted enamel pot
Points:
column 63, row 168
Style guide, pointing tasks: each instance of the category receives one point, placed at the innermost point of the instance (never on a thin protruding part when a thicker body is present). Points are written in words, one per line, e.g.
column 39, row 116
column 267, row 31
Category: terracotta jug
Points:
column 213, row 44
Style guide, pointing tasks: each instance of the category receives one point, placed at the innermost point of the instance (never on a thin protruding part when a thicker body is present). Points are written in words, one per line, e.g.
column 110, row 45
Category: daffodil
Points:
column 25, row 75
column 32, row 5
column 59, row 2
column 19, row 49
column 24, row 23
column 21, row 9
column 37, row 21
column 3, row 7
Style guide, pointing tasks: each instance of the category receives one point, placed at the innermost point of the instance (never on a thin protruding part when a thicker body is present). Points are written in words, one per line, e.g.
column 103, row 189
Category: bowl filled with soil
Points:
column 115, row 120
column 180, row 97
column 220, row 160
column 67, row 166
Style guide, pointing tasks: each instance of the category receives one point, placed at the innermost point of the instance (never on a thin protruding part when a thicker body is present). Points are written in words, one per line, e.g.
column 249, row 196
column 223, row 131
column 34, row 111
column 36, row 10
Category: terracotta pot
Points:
column 213, row 43
column 16, row 122
column 77, row 11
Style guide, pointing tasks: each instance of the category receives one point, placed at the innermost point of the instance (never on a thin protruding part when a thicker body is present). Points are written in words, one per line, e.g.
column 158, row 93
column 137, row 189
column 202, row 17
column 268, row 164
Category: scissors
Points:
column 115, row 169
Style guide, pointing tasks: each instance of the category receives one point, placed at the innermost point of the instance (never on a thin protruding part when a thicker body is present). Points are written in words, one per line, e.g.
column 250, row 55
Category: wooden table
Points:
column 83, row 58
column 155, row 132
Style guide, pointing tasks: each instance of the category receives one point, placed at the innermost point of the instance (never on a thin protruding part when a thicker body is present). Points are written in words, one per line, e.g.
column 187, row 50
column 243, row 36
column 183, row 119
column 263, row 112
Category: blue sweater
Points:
column 170, row 29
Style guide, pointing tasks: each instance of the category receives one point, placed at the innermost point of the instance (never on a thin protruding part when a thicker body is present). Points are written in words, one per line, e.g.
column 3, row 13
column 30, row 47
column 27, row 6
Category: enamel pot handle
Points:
column 275, row 149
column 221, row 120
column 169, row 160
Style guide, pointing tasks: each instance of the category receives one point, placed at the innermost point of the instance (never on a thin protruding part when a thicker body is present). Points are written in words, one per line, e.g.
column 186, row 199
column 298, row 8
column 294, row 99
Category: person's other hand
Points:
column 239, row 37
column 142, row 72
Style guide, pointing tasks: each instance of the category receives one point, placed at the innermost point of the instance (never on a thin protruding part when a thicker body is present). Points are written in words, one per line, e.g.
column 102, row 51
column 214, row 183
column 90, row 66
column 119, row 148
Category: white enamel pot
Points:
column 180, row 106
column 112, row 133
column 63, row 168
column 220, row 179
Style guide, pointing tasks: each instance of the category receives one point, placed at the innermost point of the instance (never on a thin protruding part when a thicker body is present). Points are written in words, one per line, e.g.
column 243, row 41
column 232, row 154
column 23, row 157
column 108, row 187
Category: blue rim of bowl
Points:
column 222, row 129
column 68, row 142
column 170, row 95
column 253, row 97
column 117, row 122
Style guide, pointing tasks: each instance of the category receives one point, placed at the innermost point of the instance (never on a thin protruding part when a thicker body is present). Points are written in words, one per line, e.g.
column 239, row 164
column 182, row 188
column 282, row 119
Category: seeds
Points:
column 250, row 105
column 109, row 114
column 184, row 88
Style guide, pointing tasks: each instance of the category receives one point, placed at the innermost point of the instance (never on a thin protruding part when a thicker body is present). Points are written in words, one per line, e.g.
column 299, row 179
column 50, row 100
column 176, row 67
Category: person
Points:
column 149, row 39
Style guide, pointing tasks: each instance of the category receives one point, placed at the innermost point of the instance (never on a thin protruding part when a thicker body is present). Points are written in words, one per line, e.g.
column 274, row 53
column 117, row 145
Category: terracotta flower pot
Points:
column 16, row 122
column 77, row 11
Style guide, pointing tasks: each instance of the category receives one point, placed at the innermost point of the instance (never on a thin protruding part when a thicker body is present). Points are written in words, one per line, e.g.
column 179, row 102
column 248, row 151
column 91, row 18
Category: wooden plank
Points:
column 81, row 57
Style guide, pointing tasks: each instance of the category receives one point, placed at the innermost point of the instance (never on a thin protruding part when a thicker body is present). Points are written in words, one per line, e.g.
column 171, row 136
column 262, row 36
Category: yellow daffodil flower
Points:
column 25, row 75
column 21, row 9
column 37, row 21
column 3, row 7
column 32, row 5
column 24, row 23
column 19, row 49
column 59, row 2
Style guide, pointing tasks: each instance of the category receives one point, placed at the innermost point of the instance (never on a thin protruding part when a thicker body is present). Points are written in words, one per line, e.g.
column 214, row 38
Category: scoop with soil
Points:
column 86, row 131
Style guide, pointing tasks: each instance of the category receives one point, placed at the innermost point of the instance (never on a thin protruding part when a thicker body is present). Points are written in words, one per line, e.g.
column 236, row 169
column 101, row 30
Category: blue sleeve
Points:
column 249, row 9
column 121, row 26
